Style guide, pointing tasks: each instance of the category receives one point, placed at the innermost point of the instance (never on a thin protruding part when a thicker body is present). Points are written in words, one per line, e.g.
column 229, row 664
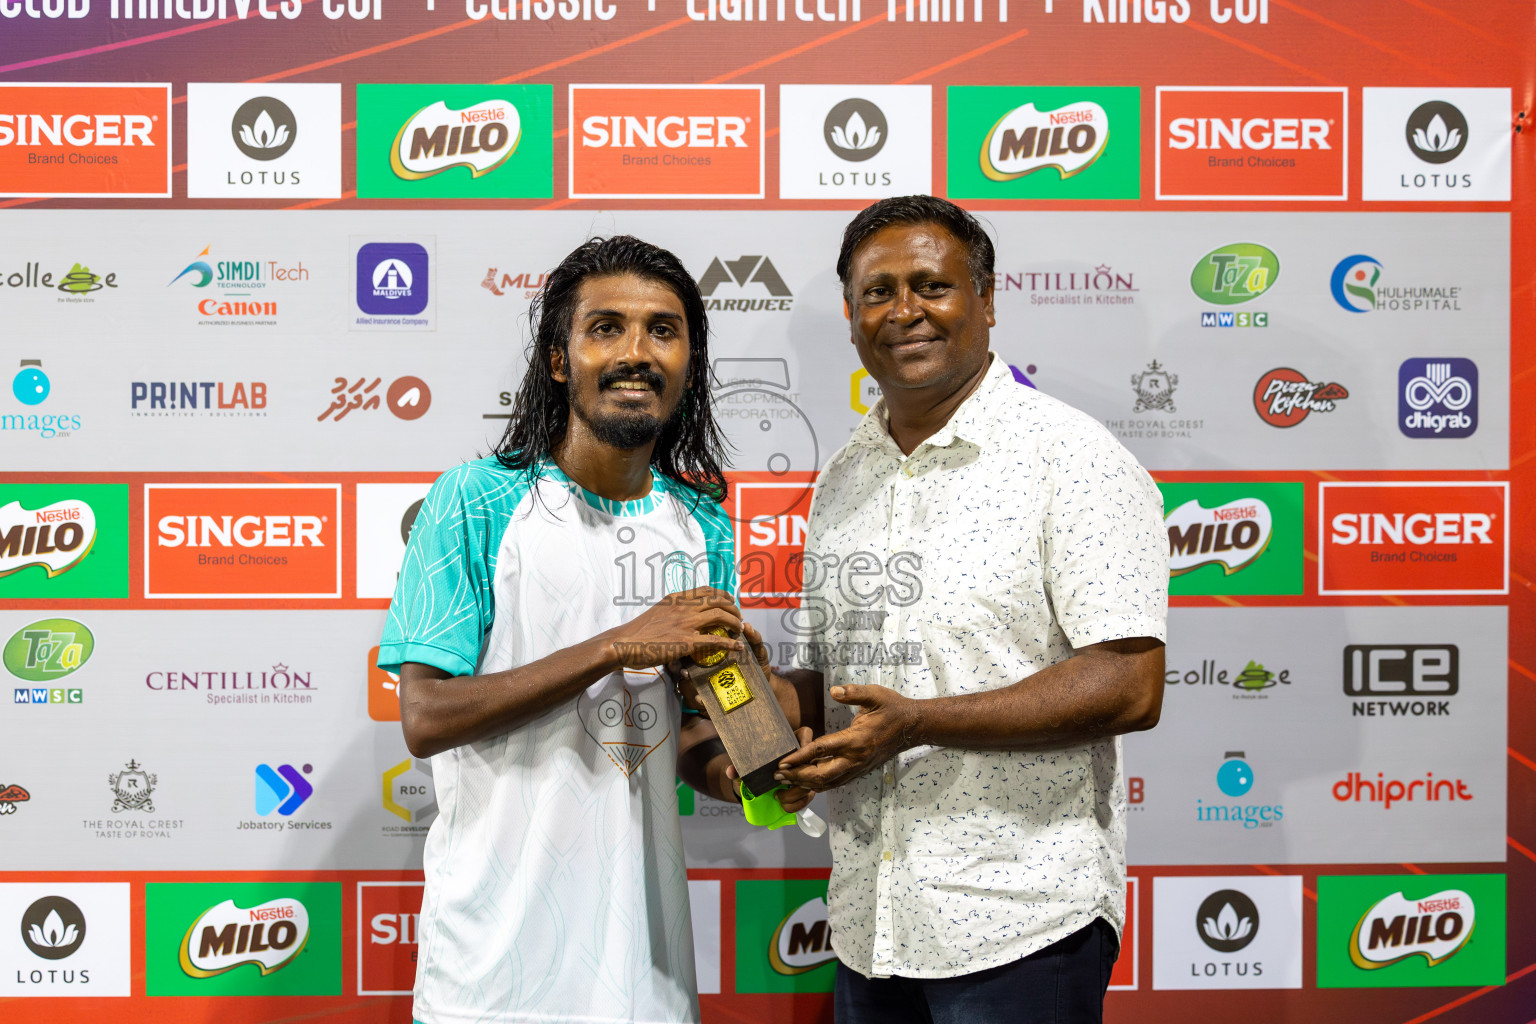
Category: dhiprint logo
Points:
column 1227, row 921
column 1284, row 397
column 282, row 789
column 53, row 927
column 855, row 130
column 1437, row 397
column 1437, row 132
column 1026, row 140
column 264, row 128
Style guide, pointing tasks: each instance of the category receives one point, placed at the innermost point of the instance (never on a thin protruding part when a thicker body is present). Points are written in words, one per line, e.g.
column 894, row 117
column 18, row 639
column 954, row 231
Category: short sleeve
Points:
column 719, row 543
column 443, row 603
column 1106, row 552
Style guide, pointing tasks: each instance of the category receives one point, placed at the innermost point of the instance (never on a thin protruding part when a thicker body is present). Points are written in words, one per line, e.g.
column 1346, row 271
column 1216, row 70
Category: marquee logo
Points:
column 56, row 537
column 264, row 128
column 85, row 140
column 1026, row 140
column 481, row 138
column 48, row 649
column 1252, row 143
column 742, row 273
column 1284, row 397
column 1232, row 535
column 1437, row 397
column 1425, row 537
column 223, row 937
column 666, row 142
column 1435, row 928
column 242, row 540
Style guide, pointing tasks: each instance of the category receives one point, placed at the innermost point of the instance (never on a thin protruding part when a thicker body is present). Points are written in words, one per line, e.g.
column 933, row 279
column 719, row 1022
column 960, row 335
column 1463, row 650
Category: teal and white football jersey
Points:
column 555, row 884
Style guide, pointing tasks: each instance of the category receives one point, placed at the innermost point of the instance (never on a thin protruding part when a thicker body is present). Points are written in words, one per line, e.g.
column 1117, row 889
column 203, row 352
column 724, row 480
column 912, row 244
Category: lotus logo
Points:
column 1025, row 140
column 1437, row 132
column 1232, row 536
column 53, row 927
column 1227, row 920
column 481, row 137
column 1435, row 927
column 264, row 128
column 855, row 129
column 1354, row 283
column 224, row 937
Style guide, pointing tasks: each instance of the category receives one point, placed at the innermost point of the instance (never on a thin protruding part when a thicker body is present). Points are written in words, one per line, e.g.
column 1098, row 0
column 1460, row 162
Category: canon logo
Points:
column 244, row 531
column 76, row 129
column 1419, row 528
column 628, row 132
column 1250, row 133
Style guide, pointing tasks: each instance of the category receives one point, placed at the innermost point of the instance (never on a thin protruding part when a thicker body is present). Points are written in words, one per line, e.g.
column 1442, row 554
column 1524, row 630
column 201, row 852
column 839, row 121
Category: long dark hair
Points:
column 690, row 449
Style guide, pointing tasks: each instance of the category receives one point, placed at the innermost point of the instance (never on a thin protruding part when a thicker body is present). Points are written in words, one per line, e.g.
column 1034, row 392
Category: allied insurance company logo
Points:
column 1437, row 397
column 242, row 285
column 1252, row 143
column 32, row 387
column 666, row 142
column 242, row 540
column 1422, row 537
column 1235, row 778
column 1044, row 142
column 78, row 140
column 392, row 278
column 1230, row 276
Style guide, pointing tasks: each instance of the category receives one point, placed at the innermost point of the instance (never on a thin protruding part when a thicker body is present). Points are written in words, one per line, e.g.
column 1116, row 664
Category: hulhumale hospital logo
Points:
column 1235, row 779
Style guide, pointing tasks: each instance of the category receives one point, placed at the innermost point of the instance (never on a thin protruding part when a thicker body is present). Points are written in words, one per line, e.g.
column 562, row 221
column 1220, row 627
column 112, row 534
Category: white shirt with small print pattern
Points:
column 1019, row 531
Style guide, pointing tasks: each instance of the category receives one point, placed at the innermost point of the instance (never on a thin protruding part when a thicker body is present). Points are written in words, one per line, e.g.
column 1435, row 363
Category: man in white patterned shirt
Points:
column 987, row 578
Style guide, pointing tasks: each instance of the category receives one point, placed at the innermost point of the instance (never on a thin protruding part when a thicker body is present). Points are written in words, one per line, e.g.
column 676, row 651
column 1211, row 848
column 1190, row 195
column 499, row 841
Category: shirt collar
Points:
column 972, row 421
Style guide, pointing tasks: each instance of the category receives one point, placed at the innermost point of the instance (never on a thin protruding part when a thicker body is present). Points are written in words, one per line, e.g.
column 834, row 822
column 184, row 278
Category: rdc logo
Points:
column 1437, row 397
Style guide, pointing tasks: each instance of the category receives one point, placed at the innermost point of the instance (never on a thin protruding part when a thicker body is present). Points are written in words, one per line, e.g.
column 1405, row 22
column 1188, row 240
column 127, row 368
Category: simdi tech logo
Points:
column 1044, row 142
column 455, row 141
column 1403, row 931
column 666, row 142
column 263, row 140
column 1252, row 143
column 242, row 540
column 1436, row 145
column 243, row 939
column 63, row 541
column 60, row 139
column 1234, row 538
column 1419, row 537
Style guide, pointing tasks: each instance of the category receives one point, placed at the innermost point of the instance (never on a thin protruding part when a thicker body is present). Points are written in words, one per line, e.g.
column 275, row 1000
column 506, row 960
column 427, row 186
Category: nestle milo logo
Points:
column 56, row 536
column 48, row 649
column 1235, row 273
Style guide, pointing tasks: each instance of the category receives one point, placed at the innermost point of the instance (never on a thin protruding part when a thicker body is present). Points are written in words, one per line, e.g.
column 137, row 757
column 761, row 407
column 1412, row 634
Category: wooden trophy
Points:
column 740, row 703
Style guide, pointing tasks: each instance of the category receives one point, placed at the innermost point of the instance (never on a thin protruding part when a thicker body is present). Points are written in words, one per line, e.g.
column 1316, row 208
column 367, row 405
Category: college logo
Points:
column 783, row 939
column 1413, row 538
column 455, row 141
column 1252, row 680
column 1410, row 930
column 666, row 142
column 264, row 140
column 1252, row 143
column 133, row 789
column 1284, row 397
column 389, row 915
column 408, row 398
column 1436, row 145
column 282, row 789
column 1227, row 932
column 409, row 793
column 85, row 140
column 48, row 649
column 1053, row 142
column 1395, row 672
column 1437, row 397
column 242, row 540
column 739, row 274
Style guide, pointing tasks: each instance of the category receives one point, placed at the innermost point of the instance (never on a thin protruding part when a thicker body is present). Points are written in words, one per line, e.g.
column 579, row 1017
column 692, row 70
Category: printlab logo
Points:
column 1284, row 397
column 855, row 130
column 408, row 398
column 393, row 285
column 264, row 128
column 1227, row 921
column 282, row 789
column 198, row 398
column 741, row 273
column 1437, row 397
column 133, row 789
column 1154, row 388
column 1437, row 132
column 31, row 387
column 53, row 927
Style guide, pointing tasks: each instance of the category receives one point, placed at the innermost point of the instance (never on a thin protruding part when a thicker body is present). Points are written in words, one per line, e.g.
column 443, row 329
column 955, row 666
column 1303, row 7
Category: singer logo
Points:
column 85, row 140
column 771, row 521
column 1236, row 142
column 1413, row 538
column 666, row 141
column 242, row 540
column 389, row 919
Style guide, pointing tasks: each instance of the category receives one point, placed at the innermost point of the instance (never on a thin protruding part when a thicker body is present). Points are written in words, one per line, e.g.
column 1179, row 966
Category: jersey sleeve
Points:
column 444, row 601
column 1106, row 564
column 719, row 544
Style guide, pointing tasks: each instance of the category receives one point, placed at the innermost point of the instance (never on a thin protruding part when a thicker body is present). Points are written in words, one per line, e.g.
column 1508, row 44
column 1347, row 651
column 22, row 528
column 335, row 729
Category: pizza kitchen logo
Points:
column 1284, row 397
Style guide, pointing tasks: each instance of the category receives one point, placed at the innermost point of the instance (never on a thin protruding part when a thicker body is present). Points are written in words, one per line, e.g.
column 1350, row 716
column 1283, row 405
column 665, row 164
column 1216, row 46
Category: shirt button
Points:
column 890, row 780
column 886, row 855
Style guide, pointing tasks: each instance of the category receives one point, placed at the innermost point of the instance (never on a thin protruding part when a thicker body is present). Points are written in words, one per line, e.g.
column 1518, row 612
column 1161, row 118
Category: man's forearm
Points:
column 702, row 760
column 800, row 692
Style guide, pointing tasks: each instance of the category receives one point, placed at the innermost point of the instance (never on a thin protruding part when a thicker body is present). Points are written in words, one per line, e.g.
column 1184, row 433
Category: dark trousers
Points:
column 1064, row 983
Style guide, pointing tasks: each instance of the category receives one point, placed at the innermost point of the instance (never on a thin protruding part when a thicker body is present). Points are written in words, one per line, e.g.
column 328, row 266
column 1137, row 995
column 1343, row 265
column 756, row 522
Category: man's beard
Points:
column 626, row 430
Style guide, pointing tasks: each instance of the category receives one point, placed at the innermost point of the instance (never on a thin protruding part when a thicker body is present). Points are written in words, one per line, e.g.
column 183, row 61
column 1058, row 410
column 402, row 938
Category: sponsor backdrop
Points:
column 265, row 270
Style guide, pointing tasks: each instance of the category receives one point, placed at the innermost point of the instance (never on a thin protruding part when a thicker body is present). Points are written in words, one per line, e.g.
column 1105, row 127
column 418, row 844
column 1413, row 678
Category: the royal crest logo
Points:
column 480, row 137
column 57, row 536
column 1232, row 535
column 270, row 935
column 1435, row 927
column 1154, row 389
column 133, row 789
column 1026, row 140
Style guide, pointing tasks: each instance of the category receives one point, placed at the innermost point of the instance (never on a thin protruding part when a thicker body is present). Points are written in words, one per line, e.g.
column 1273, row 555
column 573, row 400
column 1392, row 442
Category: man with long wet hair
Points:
column 542, row 588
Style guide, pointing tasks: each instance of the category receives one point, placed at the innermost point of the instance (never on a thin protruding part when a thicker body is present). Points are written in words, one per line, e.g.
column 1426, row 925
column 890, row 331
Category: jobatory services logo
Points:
column 63, row 540
column 263, row 140
column 168, row 399
column 1234, row 779
column 1421, row 537
column 1401, row 931
column 1234, row 538
column 48, row 650
column 855, row 141
column 1044, row 142
column 389, row 924
column 1437, row 397
column 283, row 789
column 1283, row 397
column 666, row 142
column 242, row 540
column 1398, row 680
column 65, row 939
column 395, row 286
column 1241, row 932
column 455, row 141
column 241, row 939
column 32, row 388
column 1357, row 287
column 101, row 140
column 1252, row 143
column 407, row 398
column 1436, row 145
